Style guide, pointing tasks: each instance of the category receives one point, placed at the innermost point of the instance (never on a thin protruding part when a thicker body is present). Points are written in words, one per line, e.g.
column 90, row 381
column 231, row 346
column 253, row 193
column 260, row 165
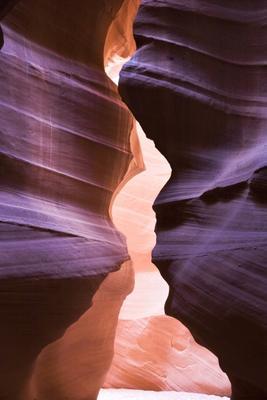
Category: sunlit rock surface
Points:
column 121, row 394
column 200, row 72
column 133, row 215
column 65, row 150
column 73, row 367
column 159, row 353
column 153, row 351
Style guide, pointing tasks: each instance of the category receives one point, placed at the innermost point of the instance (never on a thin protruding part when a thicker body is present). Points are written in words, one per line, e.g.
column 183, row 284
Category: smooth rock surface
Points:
column 74, row 366
column 151, row 350
column 159, row 353
column 65, row 151
column 204, row 105
column 133, row 215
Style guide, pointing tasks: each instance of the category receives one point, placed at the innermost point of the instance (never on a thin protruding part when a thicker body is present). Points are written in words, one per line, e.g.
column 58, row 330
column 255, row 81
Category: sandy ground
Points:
column 125, row 394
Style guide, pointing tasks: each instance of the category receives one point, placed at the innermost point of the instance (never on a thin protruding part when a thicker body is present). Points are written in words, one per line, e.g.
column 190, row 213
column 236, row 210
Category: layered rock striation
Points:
column 200, row 71
column 159, row 353
column 68, row 145
column 65, row 149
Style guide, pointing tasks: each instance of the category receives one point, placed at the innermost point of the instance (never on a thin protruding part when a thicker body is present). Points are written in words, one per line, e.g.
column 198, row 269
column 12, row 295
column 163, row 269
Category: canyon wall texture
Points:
column 159, row 353
column 65, row 149
column 200, row 70
column 153, row 351
column 69, row 145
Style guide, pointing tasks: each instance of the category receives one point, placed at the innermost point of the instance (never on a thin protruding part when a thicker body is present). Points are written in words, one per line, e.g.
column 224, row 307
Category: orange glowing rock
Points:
column 159, row 353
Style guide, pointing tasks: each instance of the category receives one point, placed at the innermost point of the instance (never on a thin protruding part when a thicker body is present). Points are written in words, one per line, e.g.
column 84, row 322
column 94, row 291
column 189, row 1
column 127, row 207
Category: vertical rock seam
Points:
column 197, row 86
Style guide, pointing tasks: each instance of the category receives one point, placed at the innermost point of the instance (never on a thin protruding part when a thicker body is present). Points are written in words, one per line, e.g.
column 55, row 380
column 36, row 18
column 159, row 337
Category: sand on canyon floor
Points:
column 127, row 394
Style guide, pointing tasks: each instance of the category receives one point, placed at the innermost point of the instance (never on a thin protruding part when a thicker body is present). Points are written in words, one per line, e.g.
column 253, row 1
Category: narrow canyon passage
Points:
column 152, row 351
column 83, row 188
column 133, row 215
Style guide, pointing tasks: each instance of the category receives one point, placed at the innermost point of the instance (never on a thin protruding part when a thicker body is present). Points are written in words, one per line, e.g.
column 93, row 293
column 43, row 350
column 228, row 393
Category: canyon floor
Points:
column 126, row 394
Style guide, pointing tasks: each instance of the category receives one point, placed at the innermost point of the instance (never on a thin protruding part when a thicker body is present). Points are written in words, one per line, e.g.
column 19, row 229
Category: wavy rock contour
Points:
column 158, row 353
column 200, row 71
column 65, row 149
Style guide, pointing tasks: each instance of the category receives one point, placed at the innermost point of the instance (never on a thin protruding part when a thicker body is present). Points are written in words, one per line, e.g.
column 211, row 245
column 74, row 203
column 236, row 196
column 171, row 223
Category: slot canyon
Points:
column 133, row 201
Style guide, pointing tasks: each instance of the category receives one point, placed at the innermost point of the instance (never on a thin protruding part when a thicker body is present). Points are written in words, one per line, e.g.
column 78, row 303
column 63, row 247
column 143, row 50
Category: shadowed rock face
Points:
column 199, row 70
column 36, row 307
column 65, row 149
column 5, row 7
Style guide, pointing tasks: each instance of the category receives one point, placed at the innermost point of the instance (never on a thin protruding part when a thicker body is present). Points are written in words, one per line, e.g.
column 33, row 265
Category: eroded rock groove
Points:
column 200, row 71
